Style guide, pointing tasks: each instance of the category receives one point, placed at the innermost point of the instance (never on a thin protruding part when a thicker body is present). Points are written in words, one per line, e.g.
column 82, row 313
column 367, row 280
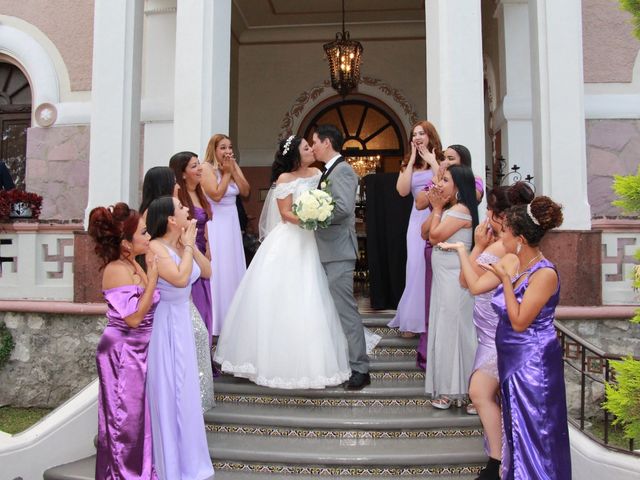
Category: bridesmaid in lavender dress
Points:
column 223, row 181
column 159, row 182
column 180, row 448
column 124, row 447
column 453, row 155
column 484, row 383
column 188, row 172
column 415, row 175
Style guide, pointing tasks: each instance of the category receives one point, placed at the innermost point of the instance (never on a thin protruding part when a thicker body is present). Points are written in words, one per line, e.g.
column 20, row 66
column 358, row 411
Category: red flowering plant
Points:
column 18, row 203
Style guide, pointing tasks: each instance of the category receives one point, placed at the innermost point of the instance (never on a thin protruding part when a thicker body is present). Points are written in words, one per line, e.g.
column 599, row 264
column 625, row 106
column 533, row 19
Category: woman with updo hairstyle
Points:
column 484, row 382
column 223, row 181
column 180, row 448
column 417, row 172
column 124, row 448
column 282, row 329
column 530, row 364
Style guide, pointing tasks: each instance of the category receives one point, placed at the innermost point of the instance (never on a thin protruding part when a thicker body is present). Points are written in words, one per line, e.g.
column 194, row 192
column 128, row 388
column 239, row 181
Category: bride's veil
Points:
column 270, row 216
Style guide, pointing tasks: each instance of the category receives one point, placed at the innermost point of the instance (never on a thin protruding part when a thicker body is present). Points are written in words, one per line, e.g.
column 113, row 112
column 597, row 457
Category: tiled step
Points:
column 84, row 470
column 379, row 393
column 395, row 454
column 341, row 423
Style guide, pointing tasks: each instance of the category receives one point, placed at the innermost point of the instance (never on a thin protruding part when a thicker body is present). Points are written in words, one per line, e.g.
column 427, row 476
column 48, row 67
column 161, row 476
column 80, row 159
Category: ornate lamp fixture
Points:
column 344, row 60
column 363, row 166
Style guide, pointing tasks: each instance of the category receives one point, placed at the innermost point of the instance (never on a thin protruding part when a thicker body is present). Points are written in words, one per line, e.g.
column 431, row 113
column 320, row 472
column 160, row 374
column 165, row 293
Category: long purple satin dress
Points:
column 534, row 411
column 180, row 449
column 227, row 254
column 124, row 428
column 201, row 289
column 410, row 315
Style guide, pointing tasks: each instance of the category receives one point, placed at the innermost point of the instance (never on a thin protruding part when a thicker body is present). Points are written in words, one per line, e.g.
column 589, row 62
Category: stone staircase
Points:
column 388, row 429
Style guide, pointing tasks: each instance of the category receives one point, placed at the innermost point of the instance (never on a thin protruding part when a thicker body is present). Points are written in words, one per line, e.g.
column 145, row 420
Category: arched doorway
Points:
column 15, row 119
column 374, row 141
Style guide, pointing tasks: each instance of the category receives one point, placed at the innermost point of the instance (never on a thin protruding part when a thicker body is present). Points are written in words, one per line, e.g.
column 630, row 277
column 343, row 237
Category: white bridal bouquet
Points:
column 314, row 208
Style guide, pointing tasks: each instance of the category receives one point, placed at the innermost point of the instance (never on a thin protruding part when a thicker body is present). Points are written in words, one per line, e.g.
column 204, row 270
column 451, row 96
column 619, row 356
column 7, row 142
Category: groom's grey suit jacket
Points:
column 338, row 241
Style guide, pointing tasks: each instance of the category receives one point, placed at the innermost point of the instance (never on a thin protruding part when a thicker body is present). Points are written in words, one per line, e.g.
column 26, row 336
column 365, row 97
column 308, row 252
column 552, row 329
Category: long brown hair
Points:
column 178, row 164
column 210, row 154
column 433, row 145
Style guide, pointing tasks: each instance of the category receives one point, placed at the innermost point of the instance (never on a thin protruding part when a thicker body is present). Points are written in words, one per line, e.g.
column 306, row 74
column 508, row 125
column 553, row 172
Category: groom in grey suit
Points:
column 338, row 247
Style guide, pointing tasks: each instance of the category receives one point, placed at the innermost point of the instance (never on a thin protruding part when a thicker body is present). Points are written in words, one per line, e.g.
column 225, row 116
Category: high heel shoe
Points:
column 491, row 471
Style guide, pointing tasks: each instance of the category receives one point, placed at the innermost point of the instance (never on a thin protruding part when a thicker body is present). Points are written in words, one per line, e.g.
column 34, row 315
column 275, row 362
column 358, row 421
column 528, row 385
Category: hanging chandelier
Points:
column 344, row 60
column 364, row 166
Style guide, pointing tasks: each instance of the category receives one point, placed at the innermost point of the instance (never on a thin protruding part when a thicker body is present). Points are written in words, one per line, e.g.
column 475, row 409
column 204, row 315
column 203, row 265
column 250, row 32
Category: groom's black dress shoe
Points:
column 358, row 381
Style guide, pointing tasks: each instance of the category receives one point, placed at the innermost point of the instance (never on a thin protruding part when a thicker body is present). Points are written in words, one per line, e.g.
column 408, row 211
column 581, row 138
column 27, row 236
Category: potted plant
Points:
column 19, row 204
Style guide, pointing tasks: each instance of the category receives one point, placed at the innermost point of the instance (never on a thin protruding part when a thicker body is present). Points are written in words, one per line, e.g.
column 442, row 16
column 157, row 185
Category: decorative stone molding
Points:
column 306, row 100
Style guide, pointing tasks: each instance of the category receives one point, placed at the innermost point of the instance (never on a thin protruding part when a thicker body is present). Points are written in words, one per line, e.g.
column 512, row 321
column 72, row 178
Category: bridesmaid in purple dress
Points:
column 416, row 173
column 223, row 181
column 530, row 365
column 180, row 448
column 484, row 382
column 188, row 172
column 124, row 447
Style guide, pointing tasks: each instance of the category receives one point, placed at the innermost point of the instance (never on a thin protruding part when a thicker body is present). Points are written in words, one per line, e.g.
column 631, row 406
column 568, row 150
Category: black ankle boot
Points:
column 491, row 471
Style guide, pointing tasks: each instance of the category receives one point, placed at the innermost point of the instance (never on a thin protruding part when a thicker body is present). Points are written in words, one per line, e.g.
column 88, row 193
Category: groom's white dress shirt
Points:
column 327, row 165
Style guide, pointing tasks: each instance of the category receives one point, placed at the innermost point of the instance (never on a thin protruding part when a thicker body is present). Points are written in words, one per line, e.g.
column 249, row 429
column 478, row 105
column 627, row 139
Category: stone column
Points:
column 115, row 103
column 202, row 70
column 455, row 91
column 558, row 107
column 513, row 117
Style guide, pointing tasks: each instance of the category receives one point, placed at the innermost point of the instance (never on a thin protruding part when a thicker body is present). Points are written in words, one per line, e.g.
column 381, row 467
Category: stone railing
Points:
column 36, row 260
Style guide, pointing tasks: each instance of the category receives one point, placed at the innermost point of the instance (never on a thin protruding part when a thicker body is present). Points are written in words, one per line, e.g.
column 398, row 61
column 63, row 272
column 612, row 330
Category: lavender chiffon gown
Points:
column 201, row 289
column 534, row 413
column 227, row 254
column 410, row 315
column 124, row 447
column 180, row 449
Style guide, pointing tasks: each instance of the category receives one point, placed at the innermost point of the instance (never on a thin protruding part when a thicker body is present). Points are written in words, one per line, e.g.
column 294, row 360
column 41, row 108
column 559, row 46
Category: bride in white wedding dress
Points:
column 282, row 329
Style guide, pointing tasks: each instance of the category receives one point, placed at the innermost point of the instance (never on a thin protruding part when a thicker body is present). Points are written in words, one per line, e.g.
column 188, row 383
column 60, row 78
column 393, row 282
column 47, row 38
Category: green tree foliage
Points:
column 623, row 397
column 633, row 7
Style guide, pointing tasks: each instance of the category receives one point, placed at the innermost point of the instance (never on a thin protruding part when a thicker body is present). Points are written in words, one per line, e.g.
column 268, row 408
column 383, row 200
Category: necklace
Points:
column 539, row 255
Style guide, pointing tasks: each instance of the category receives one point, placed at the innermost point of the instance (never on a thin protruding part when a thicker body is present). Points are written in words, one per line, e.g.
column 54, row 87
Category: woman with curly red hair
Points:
column 124, row 447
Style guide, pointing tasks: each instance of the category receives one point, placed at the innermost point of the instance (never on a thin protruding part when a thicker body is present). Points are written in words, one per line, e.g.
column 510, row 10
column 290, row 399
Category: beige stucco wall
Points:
column 273, row 76
column 68, row 24
column 610, row 49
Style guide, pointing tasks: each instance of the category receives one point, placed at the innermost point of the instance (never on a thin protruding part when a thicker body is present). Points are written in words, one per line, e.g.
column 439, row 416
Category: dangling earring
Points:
column 457, row 196
column 518, row 248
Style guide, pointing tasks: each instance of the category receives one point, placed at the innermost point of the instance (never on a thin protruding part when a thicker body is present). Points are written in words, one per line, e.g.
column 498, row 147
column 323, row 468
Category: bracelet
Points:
column 437, row 215
column 189, row 246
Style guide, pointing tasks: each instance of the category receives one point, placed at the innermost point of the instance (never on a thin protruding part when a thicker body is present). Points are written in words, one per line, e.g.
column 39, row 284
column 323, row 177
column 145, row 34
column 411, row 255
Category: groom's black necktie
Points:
column 327, row 172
